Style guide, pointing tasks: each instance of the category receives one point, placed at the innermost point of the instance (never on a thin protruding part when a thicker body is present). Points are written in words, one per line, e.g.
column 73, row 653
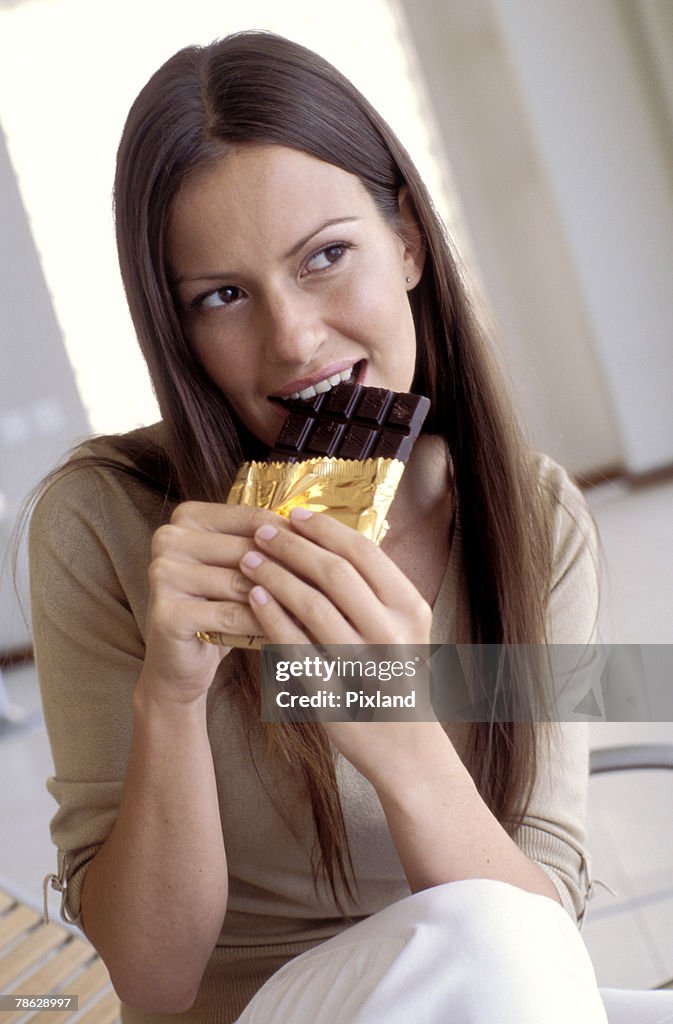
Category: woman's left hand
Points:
column 323, row 582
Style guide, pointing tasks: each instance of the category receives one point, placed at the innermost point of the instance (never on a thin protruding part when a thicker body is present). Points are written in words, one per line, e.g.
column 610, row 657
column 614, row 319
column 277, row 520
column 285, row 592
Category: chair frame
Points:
column 632, row 757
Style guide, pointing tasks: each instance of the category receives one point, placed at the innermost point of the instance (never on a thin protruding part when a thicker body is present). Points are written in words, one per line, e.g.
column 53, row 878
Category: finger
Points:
column 273, row 620
column 194, row 580
column 386, row 579
column 183, row 617
column 215, row 517
column 320, row 617
column 180, row 543
column 331, row 575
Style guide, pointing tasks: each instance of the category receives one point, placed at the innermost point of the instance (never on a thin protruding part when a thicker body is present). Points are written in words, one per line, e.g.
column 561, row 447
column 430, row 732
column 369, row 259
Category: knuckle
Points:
column 313, row 608
column 230, row 619
column 364, row 545
column 368, row 545
column 284, row 542
column 239, row 583
column 158, row 571
column 164, row 539
column 183, row 513
column 260, row 516
column 337, row 572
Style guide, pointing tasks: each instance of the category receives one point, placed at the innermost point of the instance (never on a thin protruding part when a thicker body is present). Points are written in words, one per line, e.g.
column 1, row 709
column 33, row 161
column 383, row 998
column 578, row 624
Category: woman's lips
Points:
column 322, row 384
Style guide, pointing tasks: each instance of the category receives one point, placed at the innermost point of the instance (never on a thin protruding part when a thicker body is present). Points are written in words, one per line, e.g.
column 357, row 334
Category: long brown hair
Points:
column 259, row 87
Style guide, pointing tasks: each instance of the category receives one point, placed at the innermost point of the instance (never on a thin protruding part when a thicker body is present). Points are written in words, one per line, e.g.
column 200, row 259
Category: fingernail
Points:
column 300, row 514
column 266, row 532
column 251, row 560
column 258, row 595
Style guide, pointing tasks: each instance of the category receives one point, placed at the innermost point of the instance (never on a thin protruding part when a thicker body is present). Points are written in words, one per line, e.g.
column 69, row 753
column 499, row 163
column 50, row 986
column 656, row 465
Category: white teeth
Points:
column 323, row 385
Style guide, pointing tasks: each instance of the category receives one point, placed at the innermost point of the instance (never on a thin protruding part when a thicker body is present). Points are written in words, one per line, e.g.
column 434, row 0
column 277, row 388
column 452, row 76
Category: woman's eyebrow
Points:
column 326, row 224
column 297, row 247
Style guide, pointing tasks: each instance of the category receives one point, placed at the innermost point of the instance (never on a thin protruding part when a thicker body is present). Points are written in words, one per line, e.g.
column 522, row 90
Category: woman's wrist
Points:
column 154, row 696
column 428, row 762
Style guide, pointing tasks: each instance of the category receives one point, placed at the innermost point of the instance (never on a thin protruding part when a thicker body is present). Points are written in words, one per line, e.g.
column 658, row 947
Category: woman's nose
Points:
column 293, row 329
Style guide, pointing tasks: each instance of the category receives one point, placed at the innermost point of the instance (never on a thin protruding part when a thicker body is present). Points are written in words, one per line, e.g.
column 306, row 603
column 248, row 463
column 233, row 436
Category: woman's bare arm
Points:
column 155, row 894
column 339, row 588
column 442, row 829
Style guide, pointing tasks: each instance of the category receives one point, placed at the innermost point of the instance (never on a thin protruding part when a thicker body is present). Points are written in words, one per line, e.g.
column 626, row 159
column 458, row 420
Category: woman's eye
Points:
column 220, row 297
column 326, row 257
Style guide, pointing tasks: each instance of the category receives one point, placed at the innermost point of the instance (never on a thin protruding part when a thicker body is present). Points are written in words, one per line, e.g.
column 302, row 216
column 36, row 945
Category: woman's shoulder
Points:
column 565, row 502
column 111, row 483
column 555, row 479
column 577, row 563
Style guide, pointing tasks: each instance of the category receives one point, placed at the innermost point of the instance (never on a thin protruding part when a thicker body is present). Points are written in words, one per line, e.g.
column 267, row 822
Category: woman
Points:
column 273, row 234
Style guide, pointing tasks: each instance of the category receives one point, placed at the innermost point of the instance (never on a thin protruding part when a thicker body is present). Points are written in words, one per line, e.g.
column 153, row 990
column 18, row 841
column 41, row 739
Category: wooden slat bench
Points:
column 48, row 959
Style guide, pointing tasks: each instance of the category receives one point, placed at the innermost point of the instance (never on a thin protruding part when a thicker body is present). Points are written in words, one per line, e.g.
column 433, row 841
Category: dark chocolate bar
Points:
column 351, row 422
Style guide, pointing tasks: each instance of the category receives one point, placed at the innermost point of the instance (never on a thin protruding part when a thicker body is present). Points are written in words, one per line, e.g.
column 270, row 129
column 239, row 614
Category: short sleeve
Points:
column 89, row 548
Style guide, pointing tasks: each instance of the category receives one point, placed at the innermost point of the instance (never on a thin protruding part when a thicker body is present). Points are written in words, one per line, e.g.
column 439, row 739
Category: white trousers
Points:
column 469, row 952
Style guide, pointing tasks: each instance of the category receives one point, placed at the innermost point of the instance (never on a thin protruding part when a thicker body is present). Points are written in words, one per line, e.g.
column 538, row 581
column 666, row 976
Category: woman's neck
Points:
column 419, row 521
column 426, row 487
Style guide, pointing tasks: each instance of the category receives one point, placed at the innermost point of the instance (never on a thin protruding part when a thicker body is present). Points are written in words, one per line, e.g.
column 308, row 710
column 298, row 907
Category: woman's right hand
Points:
column 195, row 584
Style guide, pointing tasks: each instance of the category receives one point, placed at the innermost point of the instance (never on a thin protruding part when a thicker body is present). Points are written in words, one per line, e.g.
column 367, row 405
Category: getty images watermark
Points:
column 463, row 682
column 326, row 683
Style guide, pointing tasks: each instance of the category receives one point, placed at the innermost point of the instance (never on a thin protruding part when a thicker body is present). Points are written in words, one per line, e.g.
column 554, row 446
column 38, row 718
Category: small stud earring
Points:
column 408, row 280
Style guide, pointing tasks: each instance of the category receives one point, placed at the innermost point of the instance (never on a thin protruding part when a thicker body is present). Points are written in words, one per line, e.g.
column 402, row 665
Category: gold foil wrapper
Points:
column 356, row 492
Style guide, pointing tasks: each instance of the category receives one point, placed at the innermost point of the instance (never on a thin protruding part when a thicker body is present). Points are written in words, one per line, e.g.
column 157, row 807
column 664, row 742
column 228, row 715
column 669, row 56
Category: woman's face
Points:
column 288, row 278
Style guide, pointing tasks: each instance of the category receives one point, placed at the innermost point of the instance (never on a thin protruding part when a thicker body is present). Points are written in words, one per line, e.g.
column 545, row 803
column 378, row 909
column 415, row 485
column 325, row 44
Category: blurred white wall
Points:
column 41, row 412
column 553, row 116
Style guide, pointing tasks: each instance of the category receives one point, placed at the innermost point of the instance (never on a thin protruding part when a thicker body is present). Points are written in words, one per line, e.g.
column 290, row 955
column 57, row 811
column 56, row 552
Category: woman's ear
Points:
column 412, row 238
